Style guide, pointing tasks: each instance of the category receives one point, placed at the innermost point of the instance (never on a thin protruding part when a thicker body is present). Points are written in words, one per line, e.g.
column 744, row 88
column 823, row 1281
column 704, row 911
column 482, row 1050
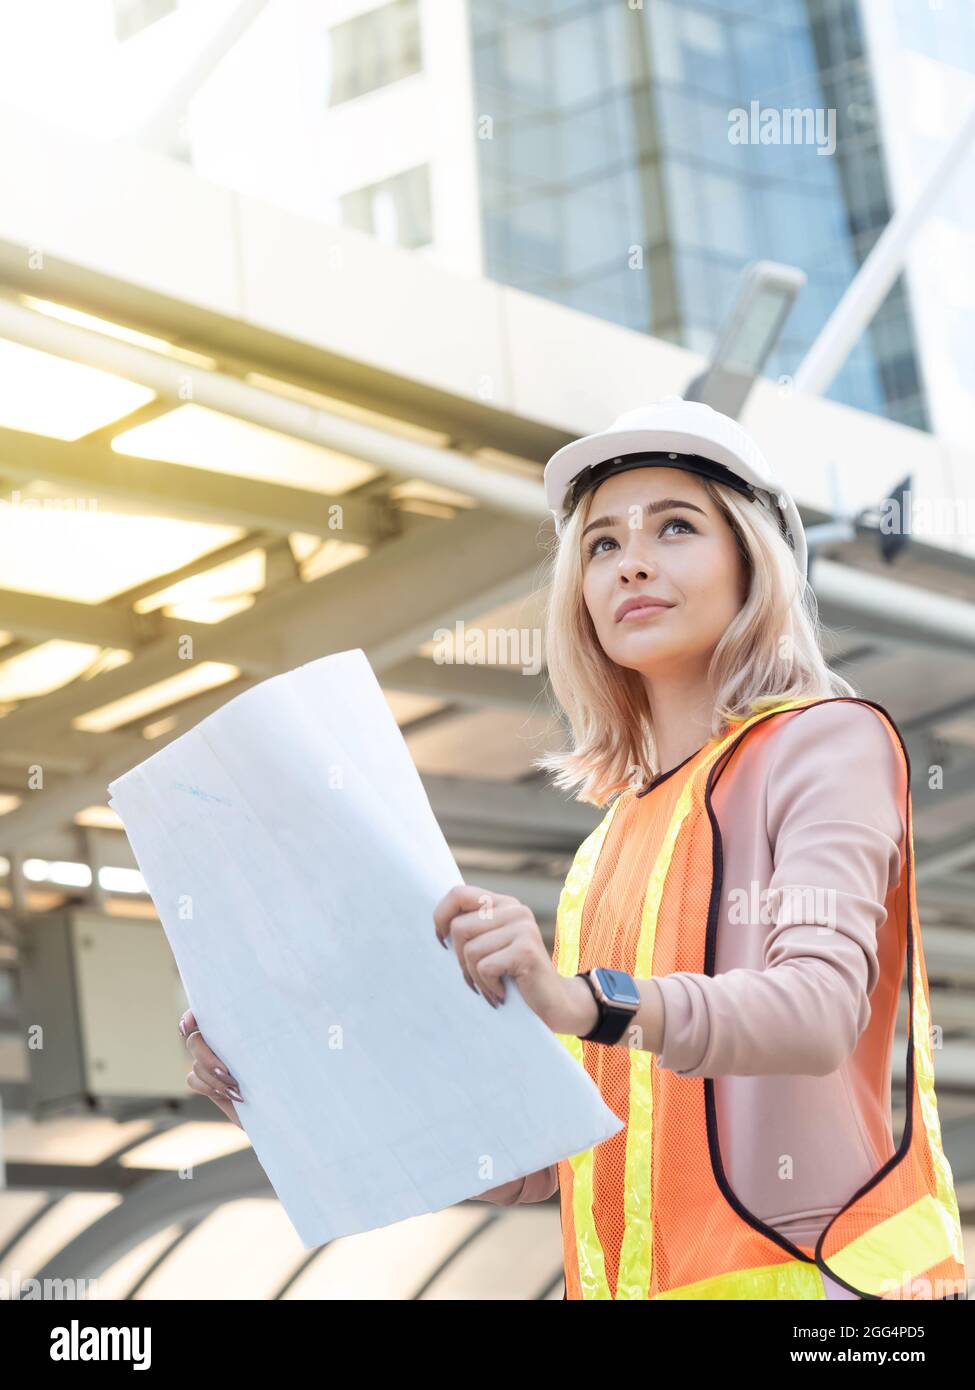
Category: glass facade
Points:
column 634, row 158
column 372, row 50
column 396, row 210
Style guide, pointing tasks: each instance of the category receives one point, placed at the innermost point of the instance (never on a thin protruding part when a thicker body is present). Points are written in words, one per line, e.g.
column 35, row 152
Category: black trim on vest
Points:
column 717, row 874
column 662, row 776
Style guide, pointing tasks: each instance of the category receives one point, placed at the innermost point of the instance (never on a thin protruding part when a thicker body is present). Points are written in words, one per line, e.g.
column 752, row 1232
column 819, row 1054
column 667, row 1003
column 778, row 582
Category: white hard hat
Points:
column 673, row 433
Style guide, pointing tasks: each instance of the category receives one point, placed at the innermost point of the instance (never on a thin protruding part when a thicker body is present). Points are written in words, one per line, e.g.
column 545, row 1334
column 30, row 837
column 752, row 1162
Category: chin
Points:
column 635, row 655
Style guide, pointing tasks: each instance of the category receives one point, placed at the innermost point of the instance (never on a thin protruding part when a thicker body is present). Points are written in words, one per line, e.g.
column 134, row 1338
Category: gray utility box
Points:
column 100, row 1001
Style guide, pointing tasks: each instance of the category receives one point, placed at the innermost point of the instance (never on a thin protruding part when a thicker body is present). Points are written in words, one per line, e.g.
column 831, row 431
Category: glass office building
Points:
column 635, row 157
column 627, row 158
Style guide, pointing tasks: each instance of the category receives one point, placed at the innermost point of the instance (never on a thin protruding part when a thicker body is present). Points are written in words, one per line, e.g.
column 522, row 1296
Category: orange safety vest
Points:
column 649, row 1213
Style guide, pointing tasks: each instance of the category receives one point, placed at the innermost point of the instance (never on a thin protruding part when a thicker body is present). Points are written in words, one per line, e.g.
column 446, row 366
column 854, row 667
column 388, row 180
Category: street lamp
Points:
column 764, row 301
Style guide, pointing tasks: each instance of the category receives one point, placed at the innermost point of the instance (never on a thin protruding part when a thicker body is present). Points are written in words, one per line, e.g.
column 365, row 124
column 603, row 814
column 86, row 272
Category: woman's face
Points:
column 655, row 533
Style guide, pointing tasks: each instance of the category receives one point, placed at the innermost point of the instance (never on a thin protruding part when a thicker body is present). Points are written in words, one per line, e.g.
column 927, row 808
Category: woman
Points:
column 738, row 897
column 754, row 896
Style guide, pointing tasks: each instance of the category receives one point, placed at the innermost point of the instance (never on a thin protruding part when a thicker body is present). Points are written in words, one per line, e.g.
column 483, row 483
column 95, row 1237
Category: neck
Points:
column 682, row 707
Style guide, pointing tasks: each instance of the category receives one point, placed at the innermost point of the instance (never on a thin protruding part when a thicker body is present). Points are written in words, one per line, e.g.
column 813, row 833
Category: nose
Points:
column 632, row 567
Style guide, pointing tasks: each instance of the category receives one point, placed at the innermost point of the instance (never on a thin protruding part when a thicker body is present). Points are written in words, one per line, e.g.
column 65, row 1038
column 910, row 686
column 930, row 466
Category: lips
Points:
column 640, row 607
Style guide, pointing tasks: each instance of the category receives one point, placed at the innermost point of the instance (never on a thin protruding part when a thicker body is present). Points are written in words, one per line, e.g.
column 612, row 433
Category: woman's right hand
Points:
column 209, row 1076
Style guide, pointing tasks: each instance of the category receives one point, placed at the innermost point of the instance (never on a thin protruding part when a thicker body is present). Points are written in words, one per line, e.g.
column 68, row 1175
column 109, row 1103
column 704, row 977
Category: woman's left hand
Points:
column 496, row 935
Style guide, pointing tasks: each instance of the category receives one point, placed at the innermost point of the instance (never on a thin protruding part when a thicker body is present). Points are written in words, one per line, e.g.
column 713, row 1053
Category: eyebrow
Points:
column 665, row 504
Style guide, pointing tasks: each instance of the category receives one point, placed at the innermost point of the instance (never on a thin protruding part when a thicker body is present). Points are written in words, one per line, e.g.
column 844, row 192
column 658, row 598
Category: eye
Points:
column 675, row 521
column 679, row 521
column 597, row 541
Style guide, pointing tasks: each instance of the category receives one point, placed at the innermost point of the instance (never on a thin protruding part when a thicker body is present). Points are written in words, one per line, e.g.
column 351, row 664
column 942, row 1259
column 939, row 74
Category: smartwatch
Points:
column 617, row 999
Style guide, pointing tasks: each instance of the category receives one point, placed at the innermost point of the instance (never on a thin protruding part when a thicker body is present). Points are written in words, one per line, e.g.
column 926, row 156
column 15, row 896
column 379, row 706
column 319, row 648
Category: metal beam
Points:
column 504, row 815
column 64, row 750
column 948, row 892
column 190, row 494
column 38, row 618
column 159, row 1202
column 173, row 379
column 388, row 607
column 902, row 613
column 63, row 797
column 951, row 1009
column 959, row 781
column 942, row 861
column 403, row 593
column 871, row 284
column 472, row 685
column 153, row 1205
column 254, row 540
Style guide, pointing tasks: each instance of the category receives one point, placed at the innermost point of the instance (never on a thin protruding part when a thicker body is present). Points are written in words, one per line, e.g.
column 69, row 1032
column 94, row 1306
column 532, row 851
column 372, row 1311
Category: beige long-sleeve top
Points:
column 801, row 1125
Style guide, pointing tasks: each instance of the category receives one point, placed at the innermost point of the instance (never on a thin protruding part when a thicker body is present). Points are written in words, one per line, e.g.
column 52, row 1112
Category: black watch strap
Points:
column 612, row 1021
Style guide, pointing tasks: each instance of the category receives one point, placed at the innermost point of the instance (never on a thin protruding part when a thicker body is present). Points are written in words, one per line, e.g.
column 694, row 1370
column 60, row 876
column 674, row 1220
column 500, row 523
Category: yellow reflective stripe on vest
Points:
column 793, row 1280
column 592, row 1268
column 946, row 1201
column 929, row 1231
column 636, row 1251
column 895, row 1250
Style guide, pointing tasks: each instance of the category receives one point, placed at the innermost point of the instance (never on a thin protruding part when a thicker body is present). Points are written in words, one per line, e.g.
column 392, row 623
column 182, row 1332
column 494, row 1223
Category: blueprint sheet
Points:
column 294, row 859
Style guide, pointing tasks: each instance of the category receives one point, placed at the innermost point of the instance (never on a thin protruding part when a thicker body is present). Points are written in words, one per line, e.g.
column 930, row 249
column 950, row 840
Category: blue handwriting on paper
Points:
column 204, row 796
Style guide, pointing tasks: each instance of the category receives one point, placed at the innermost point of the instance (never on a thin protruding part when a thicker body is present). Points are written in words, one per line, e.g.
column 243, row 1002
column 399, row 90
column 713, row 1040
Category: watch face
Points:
column 618, row 986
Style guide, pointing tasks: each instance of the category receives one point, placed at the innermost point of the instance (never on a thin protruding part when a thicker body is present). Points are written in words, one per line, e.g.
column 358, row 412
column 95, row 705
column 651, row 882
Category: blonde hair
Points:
column 770, row 652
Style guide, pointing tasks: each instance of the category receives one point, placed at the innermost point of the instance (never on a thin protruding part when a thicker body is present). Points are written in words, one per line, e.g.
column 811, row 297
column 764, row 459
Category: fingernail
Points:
column 235, row 1096
column 181, row 1028
column 473, row 987
column 442, row 942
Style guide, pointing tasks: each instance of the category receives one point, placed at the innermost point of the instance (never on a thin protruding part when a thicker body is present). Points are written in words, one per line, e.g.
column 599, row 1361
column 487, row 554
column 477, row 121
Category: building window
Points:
column 396, row 210
column 132, row 16
column 373, row 50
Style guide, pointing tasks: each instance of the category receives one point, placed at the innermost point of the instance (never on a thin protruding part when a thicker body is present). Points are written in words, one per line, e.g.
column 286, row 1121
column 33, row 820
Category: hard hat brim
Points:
column 568, row 462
